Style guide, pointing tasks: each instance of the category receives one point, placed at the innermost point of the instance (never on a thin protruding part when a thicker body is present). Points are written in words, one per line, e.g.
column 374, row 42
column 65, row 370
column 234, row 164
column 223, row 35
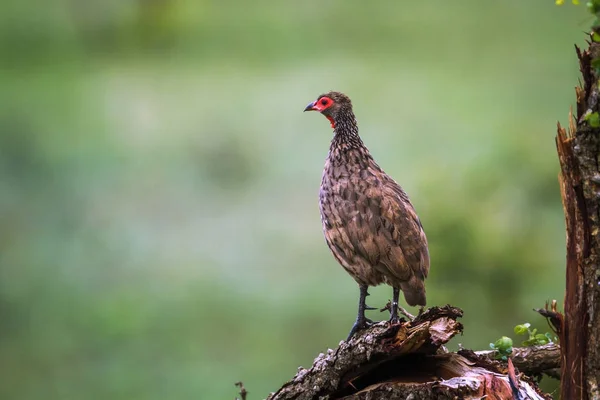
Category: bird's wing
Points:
column 408, row 233
column 387, row 232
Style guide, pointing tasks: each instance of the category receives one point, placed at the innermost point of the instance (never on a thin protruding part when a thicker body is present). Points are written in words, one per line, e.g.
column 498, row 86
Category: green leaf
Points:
column 593, row 119
column 503, row 347
column 541, row 339
column 504, row 343
column 593, row 6
column 522, row 329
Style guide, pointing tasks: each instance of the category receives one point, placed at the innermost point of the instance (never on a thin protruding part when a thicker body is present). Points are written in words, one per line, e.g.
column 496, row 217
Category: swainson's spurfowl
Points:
column 369, row 223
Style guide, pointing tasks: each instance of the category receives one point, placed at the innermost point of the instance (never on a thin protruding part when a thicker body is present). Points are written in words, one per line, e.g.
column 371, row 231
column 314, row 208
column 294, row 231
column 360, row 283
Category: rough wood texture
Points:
column 578, row 150
column 403, row 361
column 532, row 361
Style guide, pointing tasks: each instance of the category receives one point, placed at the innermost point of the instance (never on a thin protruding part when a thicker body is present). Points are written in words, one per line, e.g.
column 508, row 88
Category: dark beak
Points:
column 310, row 107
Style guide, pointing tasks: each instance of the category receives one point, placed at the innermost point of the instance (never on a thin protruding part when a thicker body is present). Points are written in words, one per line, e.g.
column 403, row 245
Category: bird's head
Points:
column 331, row 105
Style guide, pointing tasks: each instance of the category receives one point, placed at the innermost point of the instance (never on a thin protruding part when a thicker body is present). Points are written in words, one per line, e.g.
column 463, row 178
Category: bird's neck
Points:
column 345, row 132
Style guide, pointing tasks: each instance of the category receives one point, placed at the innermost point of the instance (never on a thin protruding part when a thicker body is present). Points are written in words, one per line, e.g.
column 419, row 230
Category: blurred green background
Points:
column 159, row 226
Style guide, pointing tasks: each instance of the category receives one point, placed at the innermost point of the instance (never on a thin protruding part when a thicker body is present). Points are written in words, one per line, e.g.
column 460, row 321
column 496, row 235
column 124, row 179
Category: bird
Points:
column 368, row 221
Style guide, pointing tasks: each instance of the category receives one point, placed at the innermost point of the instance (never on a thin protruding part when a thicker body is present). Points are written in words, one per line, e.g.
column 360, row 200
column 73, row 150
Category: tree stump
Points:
column 409, row 361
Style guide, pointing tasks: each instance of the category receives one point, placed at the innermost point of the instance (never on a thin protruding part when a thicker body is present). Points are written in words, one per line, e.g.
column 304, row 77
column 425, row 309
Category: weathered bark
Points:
column 578, row 150
column 532, row 361
column 408, row 360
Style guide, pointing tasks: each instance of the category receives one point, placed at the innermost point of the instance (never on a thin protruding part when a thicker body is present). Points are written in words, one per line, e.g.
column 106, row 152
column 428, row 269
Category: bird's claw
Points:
column 359, row 325
column 387, row 307
column 393, row 309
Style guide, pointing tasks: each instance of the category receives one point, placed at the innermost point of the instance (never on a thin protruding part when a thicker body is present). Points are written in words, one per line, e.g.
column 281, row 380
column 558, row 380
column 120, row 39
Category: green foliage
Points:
column 534, row 338
column 593, row 118
column 593, row 7
column 503, row 347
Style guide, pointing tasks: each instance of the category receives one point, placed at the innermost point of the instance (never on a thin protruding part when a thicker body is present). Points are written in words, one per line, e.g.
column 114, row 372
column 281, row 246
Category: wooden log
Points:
column 407, row 361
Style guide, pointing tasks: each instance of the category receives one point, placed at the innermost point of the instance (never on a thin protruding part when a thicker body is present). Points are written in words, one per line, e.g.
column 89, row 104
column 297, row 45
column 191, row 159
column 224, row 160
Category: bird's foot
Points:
column 359, row 325
column 393, row 309
column 387, row 307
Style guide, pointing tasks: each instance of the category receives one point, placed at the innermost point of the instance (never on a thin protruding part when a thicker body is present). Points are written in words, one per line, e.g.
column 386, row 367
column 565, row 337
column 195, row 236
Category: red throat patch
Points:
column 331, row 120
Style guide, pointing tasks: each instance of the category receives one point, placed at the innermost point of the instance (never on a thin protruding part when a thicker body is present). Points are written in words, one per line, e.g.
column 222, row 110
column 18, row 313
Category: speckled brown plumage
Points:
column 369, row 223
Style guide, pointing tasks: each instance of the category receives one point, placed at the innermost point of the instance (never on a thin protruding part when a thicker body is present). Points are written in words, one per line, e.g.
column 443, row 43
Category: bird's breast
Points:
column 346, row 195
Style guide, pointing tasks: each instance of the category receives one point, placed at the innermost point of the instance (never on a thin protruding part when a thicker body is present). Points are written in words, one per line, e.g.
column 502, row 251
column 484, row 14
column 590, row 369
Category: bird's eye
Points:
column 324, row 102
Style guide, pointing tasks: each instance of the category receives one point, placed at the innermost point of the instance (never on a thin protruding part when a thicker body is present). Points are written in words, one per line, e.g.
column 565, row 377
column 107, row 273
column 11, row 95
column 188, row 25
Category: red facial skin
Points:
column 321, row 105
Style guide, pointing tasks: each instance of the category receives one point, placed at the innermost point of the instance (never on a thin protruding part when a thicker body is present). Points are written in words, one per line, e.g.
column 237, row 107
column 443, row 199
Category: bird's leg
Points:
column 362, row 322
column 394, row 307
